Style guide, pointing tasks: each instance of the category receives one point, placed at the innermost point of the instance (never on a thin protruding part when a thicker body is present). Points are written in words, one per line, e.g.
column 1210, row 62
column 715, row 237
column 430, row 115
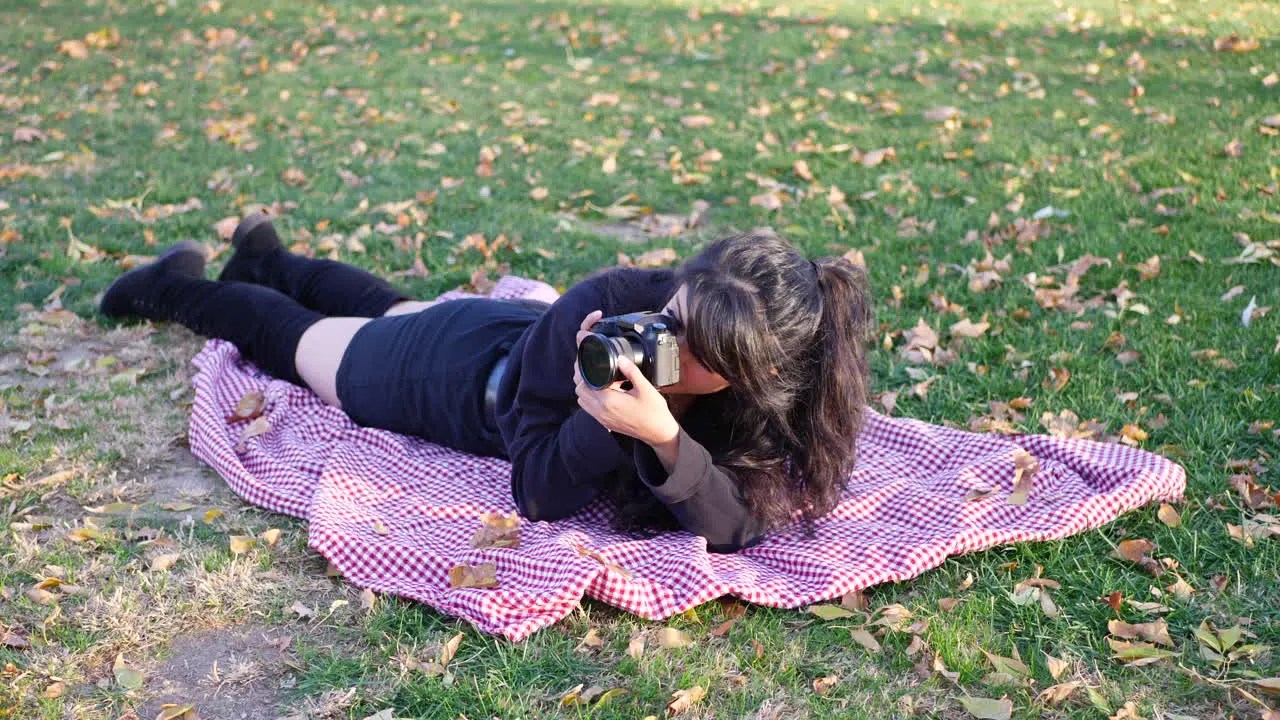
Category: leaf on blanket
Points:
column 259, row 426
column 1025, row 467
column 685, row 699
column 979, row 494
column 587, row 552
column 988, row 709
column 249, row 407
column 1135, row 551
column 484, row 575
column 497, row 530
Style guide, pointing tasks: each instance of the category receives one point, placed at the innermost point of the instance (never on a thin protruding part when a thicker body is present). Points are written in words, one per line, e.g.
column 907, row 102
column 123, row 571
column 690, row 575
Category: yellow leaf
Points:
column 685, row 699
column 212, row 515
column 242, row 543
column 1169, row 515
column 987, row 708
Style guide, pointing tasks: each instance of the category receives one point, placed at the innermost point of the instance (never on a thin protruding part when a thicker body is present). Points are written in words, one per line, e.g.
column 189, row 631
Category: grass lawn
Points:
column 1095, row 180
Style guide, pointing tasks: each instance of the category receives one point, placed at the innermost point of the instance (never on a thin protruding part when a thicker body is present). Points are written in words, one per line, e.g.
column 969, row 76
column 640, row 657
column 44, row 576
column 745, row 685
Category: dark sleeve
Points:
column 704, row 497
column 558, row 452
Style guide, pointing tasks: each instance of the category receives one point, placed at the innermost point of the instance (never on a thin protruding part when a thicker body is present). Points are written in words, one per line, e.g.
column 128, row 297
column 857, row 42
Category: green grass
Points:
column 466, row 82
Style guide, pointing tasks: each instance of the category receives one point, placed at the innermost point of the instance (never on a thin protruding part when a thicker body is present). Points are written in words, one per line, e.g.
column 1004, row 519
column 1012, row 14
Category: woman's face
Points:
column 695, row 378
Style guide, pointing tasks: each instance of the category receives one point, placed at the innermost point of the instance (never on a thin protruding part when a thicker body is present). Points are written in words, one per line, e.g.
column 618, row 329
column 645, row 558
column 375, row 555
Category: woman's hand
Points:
column 640, row 412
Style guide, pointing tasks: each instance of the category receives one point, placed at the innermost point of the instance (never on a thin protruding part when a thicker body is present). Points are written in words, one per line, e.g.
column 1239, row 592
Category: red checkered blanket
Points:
column 395, row 514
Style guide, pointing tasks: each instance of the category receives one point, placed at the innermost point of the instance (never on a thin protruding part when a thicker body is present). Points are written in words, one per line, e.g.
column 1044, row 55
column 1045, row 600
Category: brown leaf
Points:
column 947, row 604
column 164, row 562
column 969, row 329
column 497, row 530
column 1169, row 515
column 942, row 114
column 13, row 640
column 656, row 258
column 1057, row 666
column 249, row 407
column 635, row 648
column 483, row 575
column 1156, row 631
column 697, row 121
column 1235, row 43
column 1025, row 468
column 865, row 639
column 823, row 685
column 28, row 134
column 769, row 201
column 988, row 709
column 259, row 426
column 671, row 639
column 1058, row 378
column 854, row 600
column 1056, row 694
column 242, row 543
column 685, row 699
column 587, row 552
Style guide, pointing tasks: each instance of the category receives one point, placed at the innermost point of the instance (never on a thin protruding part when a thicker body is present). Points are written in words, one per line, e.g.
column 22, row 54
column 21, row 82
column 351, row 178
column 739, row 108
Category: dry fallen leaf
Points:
column 164, row 562
column 685, row 699
column 865, row 639
column 697, row 121
column 497, row 530
column 242, row 543
column 635, row 647
column 823, row 685
column 671, row 638
column 1156, row 631
column 249, row 407
column 1169, row 515
column 483, row 575
column 988, row 709
column 259, row 426
column 1135, row 551
column 1025, row 468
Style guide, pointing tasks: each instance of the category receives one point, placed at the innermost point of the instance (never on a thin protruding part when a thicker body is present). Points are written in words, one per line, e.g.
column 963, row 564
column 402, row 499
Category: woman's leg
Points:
column 320, row 351
column 328, row 287
column 264, row 324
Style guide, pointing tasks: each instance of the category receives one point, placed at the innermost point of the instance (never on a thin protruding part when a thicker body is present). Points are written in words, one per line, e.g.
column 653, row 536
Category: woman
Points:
column 760, row 428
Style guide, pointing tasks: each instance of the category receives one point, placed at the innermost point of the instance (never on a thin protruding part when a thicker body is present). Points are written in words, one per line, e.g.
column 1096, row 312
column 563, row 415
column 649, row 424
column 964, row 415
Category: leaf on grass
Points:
column 591, row 640
column 367, row 599
column 484, row 575
column 865, row 639
column 1056, row 666
column 1156, row 631
column 988, row 709
column 635, row 648
column 127, row 677
column 1135, row 551
column 1169, row 515
column 823, row 685
column 1056, row 694
column 969, row 329
column 13, row 640
column 831, row 612
column 165, row 561
column 671, row 638
column 270, row 536
column 854, row 600
column 685, row 699
column 893, row 617
column 212, row 515
column 1268, row 685
column 1138, row 653
column 697, row 121
column 497, row 530
column 242, row 543
column 173, row 711
column 1011, row 666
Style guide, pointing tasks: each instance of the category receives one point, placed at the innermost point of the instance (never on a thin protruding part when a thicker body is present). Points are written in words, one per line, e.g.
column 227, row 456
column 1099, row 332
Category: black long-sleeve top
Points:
column 561, row 457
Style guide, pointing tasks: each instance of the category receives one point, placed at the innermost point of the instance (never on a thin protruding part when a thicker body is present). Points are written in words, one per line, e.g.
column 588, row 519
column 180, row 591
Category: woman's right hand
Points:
column 584, row 330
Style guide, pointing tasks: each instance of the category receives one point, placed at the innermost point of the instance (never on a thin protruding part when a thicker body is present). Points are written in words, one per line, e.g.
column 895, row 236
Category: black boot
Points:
column 332, row 288
column 264, row 324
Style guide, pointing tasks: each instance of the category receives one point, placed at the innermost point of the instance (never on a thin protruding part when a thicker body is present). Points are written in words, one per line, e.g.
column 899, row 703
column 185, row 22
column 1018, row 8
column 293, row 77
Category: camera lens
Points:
column 598, row 359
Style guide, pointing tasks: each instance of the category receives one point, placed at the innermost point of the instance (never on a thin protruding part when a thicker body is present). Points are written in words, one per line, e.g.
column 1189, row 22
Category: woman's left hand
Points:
column 640, row 412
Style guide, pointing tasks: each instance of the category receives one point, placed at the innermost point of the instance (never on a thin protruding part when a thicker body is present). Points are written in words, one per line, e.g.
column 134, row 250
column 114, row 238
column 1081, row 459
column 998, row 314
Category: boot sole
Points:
column 247, row 226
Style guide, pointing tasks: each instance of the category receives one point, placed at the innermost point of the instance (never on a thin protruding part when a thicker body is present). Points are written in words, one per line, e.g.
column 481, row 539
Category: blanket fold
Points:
column 395, row 514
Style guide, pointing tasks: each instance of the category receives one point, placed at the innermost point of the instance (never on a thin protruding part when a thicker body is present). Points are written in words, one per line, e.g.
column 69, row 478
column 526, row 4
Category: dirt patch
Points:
column 234, row 673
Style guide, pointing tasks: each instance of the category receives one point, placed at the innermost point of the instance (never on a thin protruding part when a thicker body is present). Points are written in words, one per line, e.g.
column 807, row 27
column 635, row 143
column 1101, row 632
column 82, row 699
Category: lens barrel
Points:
column 598, row 358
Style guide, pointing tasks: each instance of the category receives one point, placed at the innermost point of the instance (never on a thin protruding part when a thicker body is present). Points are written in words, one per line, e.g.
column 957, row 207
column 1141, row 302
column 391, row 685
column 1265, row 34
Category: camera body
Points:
column 648, row 338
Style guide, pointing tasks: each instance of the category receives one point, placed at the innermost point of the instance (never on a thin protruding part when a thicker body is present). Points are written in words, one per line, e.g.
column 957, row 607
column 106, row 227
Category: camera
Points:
column 648, row 338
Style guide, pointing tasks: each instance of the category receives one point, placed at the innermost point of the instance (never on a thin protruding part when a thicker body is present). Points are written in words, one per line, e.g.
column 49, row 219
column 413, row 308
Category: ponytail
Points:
column 829, row 413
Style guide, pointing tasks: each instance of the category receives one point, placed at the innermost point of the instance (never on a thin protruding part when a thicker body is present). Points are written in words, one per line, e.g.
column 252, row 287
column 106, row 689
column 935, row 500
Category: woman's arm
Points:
column 559, row 453
column 703, row 496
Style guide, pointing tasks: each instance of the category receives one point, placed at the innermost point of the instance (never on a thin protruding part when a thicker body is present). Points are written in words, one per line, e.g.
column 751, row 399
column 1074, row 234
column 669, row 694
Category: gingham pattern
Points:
column 903, row 512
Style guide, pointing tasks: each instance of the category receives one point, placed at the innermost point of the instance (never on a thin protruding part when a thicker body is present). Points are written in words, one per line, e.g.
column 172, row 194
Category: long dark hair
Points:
column 790, row 335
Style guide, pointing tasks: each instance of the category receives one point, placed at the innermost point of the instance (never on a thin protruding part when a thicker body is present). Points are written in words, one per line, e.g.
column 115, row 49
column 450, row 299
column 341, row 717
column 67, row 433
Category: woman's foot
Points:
column 133, row 294
column 254, row 239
